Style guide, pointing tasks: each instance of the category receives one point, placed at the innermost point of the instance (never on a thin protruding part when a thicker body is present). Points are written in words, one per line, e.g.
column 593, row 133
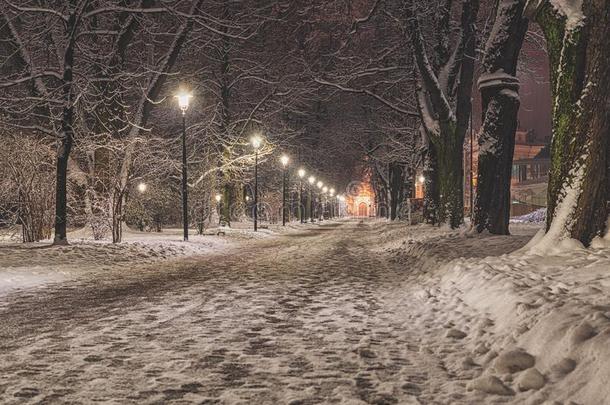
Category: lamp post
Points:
column 256, row 144
column 183, row 103
column 311, row 181
column 332, row 202
column 300, row 210
column 325, row 204
column 284, row 159
column 218, row 198
column 319, row 184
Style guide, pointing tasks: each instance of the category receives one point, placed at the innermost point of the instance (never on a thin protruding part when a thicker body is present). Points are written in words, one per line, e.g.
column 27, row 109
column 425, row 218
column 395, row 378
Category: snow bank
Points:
column 532, row 328
column 537, row 217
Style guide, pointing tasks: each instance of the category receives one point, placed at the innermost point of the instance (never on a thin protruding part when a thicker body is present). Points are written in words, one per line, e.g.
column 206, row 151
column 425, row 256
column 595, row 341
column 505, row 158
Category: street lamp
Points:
column 422, row 179
column 183, row 102
column 311, row 181
column 256, row 142
column 142, row 187
column 300, row 210
column 284, row 159
column 332, row 202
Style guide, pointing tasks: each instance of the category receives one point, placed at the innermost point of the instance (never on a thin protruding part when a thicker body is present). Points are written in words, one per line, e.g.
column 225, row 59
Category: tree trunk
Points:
column 431, row 195
column 396, row 188
column 499, row 93
column 580, row 76
column 67, row 137
column 449, row 177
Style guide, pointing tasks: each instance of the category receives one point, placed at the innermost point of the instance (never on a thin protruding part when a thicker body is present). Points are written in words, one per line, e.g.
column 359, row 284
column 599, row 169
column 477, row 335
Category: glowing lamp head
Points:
column 218, row 197
column 247, row 198
column 320, row 184
column 311, row 179
column 256, row 141
column 284, row 159
column 142, row 187
column 183, row 100
column 332, row 192
column 324, row 189
column 301, row 173
column 422, row 179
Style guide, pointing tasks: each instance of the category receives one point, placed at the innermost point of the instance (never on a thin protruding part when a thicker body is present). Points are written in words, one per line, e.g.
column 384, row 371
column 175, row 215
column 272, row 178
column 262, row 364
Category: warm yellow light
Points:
column 142, row 187
column 218, row 197
column 183, row 100
column 301, row 173
column 284, row 159
column 311, row 179
column 422, row 179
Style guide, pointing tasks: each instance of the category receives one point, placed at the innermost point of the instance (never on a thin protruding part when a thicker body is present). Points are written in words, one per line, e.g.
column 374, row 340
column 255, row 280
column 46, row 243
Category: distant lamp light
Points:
column 218, row 197
column 332, row 192
column 301, row 173
column 284, row 159
column 320, row 184
column 422, row 179
column 256, row 141
column 183, row 101
column 247, row 198
column 142, row 187
column 311, row 179
column 324, row 189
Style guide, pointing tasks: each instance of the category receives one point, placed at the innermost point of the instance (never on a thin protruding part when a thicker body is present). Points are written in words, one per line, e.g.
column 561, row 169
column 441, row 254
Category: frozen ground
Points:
column 37, row 264
column 348, row 312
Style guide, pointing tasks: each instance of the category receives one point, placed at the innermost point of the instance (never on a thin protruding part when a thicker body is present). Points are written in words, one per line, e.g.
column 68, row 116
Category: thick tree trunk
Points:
column 580, row 65
column 496, row 148
column 431, row 195
column 499, row 92
column 396, row 188
column 449, row 177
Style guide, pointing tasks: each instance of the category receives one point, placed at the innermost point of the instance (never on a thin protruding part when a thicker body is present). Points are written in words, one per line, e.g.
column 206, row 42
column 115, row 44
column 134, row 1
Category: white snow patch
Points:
column 557, row 238
column 572, row 10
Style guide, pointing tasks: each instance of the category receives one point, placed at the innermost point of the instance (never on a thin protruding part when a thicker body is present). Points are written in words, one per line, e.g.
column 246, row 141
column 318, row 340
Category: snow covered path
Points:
column 302, row 318
column 347, row 312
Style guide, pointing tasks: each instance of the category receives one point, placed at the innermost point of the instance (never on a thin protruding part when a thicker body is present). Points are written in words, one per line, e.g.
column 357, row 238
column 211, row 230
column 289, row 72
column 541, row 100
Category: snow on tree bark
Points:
column 577, row 34
column 444, row 102
column 499, row 93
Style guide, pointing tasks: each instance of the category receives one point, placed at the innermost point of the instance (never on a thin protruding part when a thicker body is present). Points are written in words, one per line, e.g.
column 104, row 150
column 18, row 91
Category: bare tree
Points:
column 444, row 100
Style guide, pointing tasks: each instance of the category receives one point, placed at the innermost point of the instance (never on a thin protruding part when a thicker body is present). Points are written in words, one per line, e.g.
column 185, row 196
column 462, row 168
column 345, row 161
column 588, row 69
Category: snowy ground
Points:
column 347, row 312
column 37, row 264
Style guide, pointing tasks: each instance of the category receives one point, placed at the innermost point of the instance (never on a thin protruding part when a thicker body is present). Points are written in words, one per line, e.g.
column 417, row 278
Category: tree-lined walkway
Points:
column 304, row 318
